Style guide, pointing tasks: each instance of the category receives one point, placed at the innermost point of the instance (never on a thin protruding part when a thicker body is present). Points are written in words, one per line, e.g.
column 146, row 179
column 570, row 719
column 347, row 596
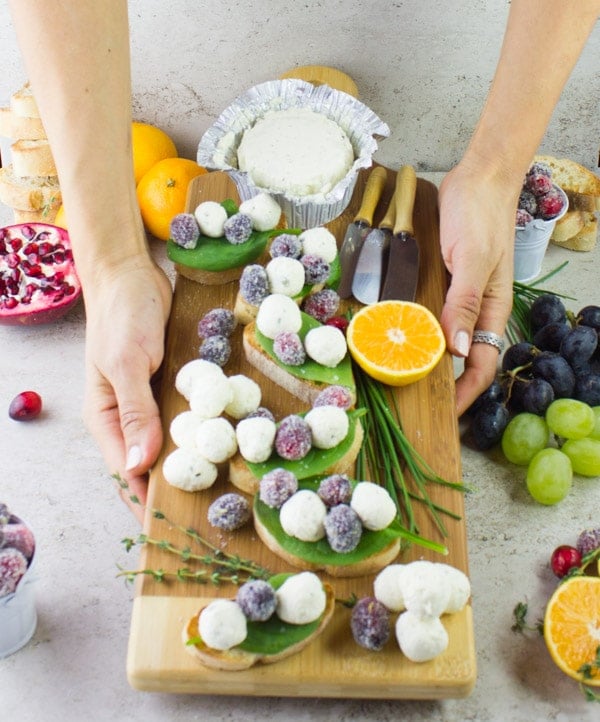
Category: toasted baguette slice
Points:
column 18, row 127
column 304, row 389
column 29, row 194
column 568, row 226
column 46, row 215
column 582, row 202
column 32, row 158
column 571, row 176
column 237, row 659
column 209, row 278
column 585, row 239
column 241, row 476
column 370, row 565
column 22, row 103
column 243, row 311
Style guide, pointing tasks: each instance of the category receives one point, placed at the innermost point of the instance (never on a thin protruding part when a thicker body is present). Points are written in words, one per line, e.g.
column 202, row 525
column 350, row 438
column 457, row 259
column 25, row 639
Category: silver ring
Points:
column 489, row 337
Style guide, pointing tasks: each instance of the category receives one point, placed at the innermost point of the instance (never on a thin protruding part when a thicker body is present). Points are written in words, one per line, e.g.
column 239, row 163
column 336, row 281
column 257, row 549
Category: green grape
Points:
column 525, row 435
column 584, row 455
column 595, row 434
column 549, row 476
column 570, row 418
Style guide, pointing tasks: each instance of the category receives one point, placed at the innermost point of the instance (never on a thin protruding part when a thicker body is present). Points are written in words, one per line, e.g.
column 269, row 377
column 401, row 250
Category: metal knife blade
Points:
column 358, row 229
column 366, row 284
column 403, row 261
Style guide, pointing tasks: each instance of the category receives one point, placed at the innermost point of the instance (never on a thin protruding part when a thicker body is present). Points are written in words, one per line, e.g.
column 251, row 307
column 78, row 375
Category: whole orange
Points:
column 162, row 191
column 60, row 218
column 149, row 144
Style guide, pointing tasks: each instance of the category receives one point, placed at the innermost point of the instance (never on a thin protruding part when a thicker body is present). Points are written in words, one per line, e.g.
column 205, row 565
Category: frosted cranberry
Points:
column 550, row 204
column 289, row 349
column 563, row 559
column 522, row 218
column 25, row 406
column 538, row 183
column 322, row 305
column 293, row 440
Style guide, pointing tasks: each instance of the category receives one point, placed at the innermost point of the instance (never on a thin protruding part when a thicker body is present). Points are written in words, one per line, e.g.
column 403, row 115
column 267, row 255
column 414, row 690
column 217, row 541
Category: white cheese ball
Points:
column 246, row 396
column 216, row 440
column 301, row 599
column 286, row 275
column 460, row 587
column 210, row 396
column 326, row 345
column 222, row 624
column 194, row 370
column 211, row 217
column 329, row 426
column 187, row 469
column 183, row 428
column 303, row 516
column 256, row 438
column 319, row 242
column 387, row 587
column 278, row 313
column 420, row 638
column 425, row 589
column 373, row 504
column 263, row 210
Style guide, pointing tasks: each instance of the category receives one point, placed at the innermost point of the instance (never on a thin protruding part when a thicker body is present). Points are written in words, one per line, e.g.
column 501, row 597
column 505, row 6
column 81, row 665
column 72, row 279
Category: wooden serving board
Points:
column 333, row 665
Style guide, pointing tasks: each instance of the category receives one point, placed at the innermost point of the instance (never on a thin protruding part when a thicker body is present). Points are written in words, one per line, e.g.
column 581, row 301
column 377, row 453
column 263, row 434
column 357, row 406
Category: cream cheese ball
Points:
column 319, row 242
column 460, row 587
column 278, row 313
column 216, row 440
column 301, row 599
column 303, row 516
column 183, row 428
column 193, row 370
column 187, row 469
column 246, row 396
column 210, row 396
column 256, row 438
column 264, row 211
column 329, row 426
column 426, row 592
column 222, row 624
column 373, row 504
column 326, row 345
column 296, row 151
column 286, row 276
column 211, row 217
column 420, row 638
column 387, row 587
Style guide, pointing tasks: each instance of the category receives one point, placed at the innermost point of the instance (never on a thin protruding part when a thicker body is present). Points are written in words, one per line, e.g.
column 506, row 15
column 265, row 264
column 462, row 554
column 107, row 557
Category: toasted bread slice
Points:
column 237, row 659
column 18, row 127
column 568, row 226
column 30, row 193
column 242, row 477
column 369, row 565
column 32, row 158
column 585, row 239
column 23, row 104
column 209, row 278
column 571, row 176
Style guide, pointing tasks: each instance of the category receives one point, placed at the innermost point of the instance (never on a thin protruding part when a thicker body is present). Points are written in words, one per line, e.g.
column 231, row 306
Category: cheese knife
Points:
column 358, row 229
column 402, row 273
column 366, row 284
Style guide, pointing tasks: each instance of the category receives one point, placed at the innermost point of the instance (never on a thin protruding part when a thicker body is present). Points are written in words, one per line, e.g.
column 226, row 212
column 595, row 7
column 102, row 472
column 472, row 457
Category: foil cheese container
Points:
column 218, row 146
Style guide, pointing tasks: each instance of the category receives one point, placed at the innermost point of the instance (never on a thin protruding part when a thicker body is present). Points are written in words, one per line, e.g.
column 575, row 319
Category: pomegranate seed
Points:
column 34, row 270
column 16, row 244
column 12, row 260
column 58, row 256
column 31, row 248
column 44, row 247
column 28, row 232
column 563, row 559
column 25, row 406
column 10, row 303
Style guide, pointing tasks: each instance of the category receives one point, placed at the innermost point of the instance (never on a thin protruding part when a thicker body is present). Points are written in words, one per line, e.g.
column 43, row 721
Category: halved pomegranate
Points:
column 38, row 282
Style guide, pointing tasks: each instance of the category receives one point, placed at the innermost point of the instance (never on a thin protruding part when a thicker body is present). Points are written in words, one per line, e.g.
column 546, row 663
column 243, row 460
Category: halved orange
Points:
column 572, row 628
column 396, row 342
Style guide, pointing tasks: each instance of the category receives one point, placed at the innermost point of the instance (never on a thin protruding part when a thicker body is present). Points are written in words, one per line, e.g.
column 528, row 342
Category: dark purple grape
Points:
column 494, row 392
column 546, row 309
column 488, row 424
column 370, row 624
column 517, row 355
column 587, row 389
column 556, row 371
column 343, row 528
column 578, row 345
column 537, row 395
column 589, row 316
column 549, row 337
column 257, row 600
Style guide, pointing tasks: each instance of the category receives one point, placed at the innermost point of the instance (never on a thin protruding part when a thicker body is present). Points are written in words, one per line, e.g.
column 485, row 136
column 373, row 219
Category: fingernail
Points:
column 461, row 341
column 134, row 457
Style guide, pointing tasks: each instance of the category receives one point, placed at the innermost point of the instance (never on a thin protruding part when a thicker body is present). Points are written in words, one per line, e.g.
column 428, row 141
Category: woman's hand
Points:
column 477, row 221
column 126, row 316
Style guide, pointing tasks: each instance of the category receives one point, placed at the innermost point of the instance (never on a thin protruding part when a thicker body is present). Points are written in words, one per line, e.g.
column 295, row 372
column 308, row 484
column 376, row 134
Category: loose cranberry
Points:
column 25, row 406
column 340, row 322
column 563, row 559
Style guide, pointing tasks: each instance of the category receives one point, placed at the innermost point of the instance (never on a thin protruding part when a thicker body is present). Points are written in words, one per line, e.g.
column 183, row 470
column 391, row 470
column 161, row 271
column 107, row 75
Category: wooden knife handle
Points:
column 404, row 195
column 388, row 220
column 371, row 195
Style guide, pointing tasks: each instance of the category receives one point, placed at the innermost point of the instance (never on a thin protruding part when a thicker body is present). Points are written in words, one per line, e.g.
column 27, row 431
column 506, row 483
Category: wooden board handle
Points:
column 372, row 194
column 404, row 195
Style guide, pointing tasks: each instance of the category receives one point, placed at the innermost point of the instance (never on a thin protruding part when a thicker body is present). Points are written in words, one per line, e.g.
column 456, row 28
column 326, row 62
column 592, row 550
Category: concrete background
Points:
column 423, row 66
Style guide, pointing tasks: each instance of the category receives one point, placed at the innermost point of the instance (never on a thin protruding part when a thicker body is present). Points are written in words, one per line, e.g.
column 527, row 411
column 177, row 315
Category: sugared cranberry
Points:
column 563, row 559
column 25, row 406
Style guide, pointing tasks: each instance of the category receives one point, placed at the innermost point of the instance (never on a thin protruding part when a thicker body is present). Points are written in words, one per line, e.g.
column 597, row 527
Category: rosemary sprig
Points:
column 387, row 451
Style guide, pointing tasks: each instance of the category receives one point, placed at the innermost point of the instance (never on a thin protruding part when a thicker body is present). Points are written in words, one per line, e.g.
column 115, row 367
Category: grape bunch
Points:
column 543, row 408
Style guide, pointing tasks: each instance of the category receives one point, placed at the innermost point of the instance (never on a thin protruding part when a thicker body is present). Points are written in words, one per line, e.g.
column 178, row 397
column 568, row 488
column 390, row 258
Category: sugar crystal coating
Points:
column 18, row 536
column 322, row 305
column 370, row 624
column 316, row 268
column 293, row 439
column 254, row 284
column 528, row 201
column 216, row 349
column 335, row 395
column 276, row 487
column 13, row 566
column 262, row 412
column 550, row 204
column 238, row 228
column 522, row 217
column 257, row 600
column 229, row 511
column 343, row 528
column 287, row 245
column 588, row 541
column 335, row 489
column 184, row 230
column 216, row 322
column 289, row 349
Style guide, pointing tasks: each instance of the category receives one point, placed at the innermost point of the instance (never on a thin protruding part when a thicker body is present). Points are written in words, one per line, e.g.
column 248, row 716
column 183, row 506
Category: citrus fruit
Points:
column 396, row 342
column 162, row 193
column 60, row 219
column 149, row 144
column 572, row 628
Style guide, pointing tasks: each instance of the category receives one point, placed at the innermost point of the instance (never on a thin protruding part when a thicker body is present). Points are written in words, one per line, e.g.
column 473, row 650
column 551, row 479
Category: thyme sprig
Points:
column 387, row 453
column 219, row 566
